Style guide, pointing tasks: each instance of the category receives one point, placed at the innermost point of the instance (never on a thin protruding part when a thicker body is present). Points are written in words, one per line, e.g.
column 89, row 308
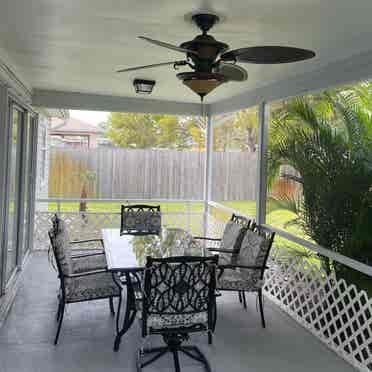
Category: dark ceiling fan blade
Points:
column 232, row 72
column 153, row 65
column 268, row 55
column 167, row 45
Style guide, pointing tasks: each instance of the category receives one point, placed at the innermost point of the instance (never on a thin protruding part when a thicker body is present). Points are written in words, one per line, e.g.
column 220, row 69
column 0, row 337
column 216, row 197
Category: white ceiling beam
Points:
column 96, row 102
column 355, row 68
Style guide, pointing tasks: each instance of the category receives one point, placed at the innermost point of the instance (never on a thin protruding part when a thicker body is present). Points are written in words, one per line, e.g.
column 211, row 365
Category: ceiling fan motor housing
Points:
column 207, row 48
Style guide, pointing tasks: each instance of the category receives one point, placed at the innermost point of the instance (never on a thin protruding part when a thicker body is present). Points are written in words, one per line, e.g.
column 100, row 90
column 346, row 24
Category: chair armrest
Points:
column 87, row 255
column 86, row 273
column 222, row 268
column 206, row 238
column 230, row 251
column 87, row 241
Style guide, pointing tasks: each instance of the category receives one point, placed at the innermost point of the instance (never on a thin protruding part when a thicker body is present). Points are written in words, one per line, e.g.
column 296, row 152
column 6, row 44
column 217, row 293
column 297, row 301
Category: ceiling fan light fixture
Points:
column 142, row 86
column 201, row 83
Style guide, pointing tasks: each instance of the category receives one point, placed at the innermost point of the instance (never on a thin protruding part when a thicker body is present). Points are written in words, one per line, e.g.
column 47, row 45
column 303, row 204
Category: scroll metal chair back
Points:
column 178, row 299
column 140, row 219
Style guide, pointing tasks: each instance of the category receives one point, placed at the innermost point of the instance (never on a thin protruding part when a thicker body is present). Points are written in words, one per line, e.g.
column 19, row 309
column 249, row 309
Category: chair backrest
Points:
column 234, row 232
column 255, row 248
column 140, row 219
column 59, row 240
column 177, row 287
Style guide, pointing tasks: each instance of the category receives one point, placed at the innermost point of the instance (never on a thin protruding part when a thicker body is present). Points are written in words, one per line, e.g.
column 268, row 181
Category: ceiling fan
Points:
column 211, row 61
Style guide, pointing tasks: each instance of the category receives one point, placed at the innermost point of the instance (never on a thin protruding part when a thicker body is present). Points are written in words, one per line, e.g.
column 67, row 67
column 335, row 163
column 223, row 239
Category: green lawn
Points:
column 115, row 207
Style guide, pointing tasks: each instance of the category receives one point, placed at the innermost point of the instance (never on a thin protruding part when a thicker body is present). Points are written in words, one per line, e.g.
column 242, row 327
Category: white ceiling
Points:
column 73, row 45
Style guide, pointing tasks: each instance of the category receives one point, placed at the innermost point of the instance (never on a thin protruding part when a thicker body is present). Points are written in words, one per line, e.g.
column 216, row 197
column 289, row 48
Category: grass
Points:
column 275, row 216
column 115, row 207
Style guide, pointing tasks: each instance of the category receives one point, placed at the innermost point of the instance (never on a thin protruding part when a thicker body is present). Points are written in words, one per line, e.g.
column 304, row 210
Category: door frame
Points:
column 34, row 128
column 7, row 103
column 3, row 180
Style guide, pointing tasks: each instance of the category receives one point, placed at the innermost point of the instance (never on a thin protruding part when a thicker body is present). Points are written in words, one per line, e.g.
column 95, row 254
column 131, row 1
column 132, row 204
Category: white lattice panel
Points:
column 89, row 225
column 337, row 313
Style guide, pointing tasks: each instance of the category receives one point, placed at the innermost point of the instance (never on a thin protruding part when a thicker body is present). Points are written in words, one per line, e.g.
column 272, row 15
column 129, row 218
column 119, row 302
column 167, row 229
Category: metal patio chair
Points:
column 230, row 242
column 245, row 272
column 178, row 299
column 231, row 239
column 140, row 219
column 83, row 285
column 93, row 258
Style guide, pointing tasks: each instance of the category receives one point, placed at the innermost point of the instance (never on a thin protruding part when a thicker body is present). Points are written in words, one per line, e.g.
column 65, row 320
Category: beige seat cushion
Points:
column 230, row 235
column 88, row 263
column 90, row 287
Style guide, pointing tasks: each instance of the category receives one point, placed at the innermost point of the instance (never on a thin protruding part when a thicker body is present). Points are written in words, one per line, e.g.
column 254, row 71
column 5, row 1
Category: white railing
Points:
column 185, row 214
column 336, row 312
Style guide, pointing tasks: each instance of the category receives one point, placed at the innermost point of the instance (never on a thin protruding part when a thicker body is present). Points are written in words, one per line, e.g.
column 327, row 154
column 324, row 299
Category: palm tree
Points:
column 327, row 140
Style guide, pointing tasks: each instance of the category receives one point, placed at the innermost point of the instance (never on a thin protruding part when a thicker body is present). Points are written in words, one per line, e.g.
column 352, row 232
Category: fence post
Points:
column 263, row 139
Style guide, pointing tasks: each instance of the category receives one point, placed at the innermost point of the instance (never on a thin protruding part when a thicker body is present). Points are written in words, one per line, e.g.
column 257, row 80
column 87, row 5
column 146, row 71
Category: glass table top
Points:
column 129, row 252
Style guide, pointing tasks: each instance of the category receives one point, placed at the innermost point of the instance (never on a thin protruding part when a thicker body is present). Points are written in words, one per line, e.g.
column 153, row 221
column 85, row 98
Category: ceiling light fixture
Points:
column 143, row 86
column 201, row 83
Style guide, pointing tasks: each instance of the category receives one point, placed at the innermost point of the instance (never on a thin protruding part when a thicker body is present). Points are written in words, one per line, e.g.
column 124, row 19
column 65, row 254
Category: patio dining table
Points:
column 126, row 259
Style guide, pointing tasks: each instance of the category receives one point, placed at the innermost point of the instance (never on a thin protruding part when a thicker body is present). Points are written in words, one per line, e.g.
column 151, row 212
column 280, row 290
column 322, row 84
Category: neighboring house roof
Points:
column 72, row 125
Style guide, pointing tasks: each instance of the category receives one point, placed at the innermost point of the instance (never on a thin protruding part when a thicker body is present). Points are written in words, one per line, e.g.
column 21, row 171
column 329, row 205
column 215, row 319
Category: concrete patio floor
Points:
column 240, row 344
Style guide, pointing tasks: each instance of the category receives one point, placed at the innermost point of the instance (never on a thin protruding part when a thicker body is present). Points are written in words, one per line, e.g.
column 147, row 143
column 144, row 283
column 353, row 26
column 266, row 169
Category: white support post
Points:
column 263, row 141
column 33, row 175
column 208, row 168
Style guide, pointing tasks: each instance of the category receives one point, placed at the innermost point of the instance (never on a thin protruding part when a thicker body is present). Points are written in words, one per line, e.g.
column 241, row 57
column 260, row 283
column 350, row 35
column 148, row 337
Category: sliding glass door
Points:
column 16, row 119
column 19, row 187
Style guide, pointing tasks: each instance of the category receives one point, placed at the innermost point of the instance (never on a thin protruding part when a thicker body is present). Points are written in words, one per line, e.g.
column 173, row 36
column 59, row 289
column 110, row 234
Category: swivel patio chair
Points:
column 178, row 299
column 140, row 219
column 245, row 272
column 77, row 286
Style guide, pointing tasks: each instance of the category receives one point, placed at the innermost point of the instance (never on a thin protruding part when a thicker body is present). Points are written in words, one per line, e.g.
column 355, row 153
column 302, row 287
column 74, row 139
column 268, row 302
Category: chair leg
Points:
column 58, row 314
column 244, row 300
column 240, row 296
column 261, row 308
column 159, row 352
column 195, row 353
column 176, row 361
column 60, row 319
column 111, row 302
column 210, row 338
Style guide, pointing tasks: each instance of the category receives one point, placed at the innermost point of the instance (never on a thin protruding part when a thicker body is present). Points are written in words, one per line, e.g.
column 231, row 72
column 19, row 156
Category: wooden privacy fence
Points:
column 150, row 174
